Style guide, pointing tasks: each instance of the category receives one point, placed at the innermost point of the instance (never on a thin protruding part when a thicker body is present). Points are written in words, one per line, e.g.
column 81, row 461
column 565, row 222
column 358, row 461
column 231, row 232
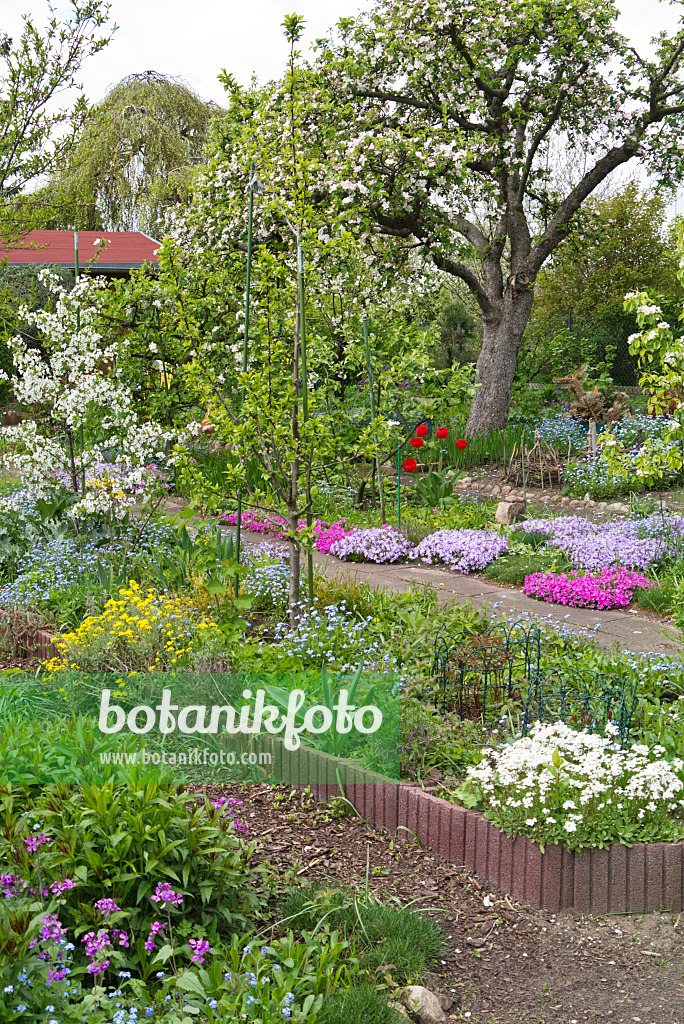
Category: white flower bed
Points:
column 559, row 785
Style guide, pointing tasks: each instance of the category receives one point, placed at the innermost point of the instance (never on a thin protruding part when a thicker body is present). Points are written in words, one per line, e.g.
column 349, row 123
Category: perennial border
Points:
column 643, row 878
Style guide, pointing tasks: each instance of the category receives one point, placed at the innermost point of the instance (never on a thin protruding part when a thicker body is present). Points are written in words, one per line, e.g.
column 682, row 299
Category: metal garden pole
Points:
column 372, row 407
column 245, row 342
column 399, row 487
column 305, row 395
column 81, row 436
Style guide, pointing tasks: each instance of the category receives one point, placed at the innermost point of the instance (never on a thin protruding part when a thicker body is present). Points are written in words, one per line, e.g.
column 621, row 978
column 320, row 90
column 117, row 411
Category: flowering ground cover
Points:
column 610, row 588
column 560, row 785
column 633, row 543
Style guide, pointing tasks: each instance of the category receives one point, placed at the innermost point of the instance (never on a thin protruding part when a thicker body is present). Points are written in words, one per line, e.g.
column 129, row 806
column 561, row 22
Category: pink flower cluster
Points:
column 275, row 526
column 610, row 588
column 99, row 945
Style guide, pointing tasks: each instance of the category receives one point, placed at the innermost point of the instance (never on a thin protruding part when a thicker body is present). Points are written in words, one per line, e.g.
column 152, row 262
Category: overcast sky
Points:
column 196, row 40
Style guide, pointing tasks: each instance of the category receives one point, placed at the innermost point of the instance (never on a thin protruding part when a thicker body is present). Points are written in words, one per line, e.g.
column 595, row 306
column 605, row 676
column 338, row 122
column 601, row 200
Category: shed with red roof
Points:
column 112, row 253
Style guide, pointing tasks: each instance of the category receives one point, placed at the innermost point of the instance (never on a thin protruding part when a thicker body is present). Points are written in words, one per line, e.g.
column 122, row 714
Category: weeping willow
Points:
column 135, row 157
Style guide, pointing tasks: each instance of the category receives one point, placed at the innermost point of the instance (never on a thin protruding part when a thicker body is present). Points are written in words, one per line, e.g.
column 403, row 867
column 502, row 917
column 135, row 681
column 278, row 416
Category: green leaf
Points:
column 189, row 982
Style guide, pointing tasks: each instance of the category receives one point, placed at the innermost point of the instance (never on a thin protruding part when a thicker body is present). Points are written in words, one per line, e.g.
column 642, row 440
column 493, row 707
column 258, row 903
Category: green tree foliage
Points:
column 620, row 245
column 34, row 130
column 136, row 155
column 450, row 111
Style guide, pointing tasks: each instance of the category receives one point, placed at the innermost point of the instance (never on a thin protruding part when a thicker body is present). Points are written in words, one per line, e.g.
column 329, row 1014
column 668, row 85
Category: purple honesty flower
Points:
column 34, row 842
column 199, row 947
column 60, row 887
column 155, row 928
column 165, row 894
column 463, row 550
column 107, row 907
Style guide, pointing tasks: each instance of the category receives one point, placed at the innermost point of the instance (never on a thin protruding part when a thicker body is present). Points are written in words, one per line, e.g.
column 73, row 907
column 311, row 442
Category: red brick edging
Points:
column 39, row 645
column 643, row 878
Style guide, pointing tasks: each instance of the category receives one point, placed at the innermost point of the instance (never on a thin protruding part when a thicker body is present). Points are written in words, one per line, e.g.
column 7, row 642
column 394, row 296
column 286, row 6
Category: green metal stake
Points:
column 372, row 406
column 245, row 342
column 305, row 395
column 399, row 487
column 81, row 436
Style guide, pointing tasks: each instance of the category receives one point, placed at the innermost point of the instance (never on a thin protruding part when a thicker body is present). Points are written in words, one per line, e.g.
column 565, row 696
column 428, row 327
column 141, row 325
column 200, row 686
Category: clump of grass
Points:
column 513, row 569
column 360, row 1004
column 358, row 596
column 384, row 934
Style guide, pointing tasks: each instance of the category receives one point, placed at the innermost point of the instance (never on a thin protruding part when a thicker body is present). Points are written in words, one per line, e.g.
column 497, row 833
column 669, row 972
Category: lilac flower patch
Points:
column 378, row 544
column 611, row 588
column 463, row 550
column 633, row 543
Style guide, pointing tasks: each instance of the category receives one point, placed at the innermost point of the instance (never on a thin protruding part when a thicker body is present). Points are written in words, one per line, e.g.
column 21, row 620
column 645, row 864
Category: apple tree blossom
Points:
column 448, row 117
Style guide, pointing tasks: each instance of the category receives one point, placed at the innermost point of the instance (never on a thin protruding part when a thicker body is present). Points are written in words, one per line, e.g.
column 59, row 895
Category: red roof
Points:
column 125, row 250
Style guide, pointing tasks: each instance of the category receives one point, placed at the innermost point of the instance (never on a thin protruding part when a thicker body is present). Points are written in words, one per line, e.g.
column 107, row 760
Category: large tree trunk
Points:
column 496, row 364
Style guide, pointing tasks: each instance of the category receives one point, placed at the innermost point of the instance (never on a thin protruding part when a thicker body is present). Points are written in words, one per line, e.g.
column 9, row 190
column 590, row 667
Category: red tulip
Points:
column 422, row 430
column 417, row 442
column 410, row 465
column 462, row 444
column 442, row 432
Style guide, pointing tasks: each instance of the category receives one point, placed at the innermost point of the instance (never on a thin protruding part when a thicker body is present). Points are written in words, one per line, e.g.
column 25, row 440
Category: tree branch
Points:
column 466, row 275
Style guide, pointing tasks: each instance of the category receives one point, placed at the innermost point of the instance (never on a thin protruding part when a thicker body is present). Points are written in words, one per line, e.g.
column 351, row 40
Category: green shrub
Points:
column 121, row 842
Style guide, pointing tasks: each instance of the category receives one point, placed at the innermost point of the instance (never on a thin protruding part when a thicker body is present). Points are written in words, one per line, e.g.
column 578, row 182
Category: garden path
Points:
column 628, row 630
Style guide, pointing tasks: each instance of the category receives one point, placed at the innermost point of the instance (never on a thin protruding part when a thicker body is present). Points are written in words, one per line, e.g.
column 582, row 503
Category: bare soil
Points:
column 503, row 963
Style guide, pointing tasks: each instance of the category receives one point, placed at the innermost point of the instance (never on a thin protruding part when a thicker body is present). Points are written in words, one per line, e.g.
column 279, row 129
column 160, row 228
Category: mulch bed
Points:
column 505, row 963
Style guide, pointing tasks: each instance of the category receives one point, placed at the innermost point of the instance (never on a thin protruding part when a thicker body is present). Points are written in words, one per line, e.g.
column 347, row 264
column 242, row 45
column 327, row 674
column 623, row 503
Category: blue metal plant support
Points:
column 584, row 700
column 479, row 672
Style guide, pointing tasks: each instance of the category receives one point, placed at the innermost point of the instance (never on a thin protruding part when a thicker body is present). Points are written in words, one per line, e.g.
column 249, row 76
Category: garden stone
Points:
column 400, row 1009
column 508, row 512
column 425, row 1004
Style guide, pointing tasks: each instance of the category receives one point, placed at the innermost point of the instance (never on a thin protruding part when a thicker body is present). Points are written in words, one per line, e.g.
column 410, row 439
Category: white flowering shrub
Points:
column 561, row 786
column 85, row 409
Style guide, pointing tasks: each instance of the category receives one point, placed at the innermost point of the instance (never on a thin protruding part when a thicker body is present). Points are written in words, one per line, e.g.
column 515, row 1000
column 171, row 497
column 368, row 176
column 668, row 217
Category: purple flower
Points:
column 107, row 907
column 165, row 894
column 61, row 887
column 463, row 550
column 611, row 588
column 377, row 544
column 200, row 947
column 34, row 842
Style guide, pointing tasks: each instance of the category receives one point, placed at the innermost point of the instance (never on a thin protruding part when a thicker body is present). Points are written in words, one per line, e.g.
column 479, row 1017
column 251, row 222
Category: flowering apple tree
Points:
column 450, row 116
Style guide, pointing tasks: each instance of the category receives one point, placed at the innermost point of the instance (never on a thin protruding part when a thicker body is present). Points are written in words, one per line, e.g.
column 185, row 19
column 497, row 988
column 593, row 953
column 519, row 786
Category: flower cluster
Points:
column 333, row 637
column 611, row 588
column 463, row 550
column 377, row 544
column 134, row 631
column 325, row 534
column 560, row 785
column 634, row 543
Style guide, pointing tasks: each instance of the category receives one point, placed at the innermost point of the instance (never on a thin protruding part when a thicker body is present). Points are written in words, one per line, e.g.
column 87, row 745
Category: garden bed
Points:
column 504, row 962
